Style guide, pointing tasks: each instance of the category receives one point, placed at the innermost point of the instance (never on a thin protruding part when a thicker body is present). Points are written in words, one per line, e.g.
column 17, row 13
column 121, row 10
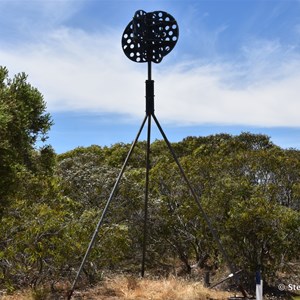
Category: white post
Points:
column 259, row 286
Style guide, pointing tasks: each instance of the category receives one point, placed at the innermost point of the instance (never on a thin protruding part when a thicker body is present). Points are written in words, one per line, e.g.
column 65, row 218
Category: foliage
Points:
column 23, row 122
column 248, row 187
column 38, row 236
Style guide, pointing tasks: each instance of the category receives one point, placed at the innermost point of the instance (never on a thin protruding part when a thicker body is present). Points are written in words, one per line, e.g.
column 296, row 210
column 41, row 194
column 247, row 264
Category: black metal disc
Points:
column 150, row 36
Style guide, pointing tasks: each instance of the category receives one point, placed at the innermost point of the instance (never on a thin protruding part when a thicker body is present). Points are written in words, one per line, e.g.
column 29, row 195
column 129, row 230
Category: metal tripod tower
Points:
column 148, row 38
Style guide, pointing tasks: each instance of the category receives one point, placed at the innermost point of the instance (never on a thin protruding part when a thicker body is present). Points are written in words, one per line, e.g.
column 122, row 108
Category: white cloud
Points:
column 25, row 14
column 202, row 98
column 76, row 71
column 80, row 71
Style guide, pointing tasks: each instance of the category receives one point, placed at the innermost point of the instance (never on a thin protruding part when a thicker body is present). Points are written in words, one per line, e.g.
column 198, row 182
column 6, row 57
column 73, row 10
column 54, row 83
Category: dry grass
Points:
column 174, row 289
column 131, row 288
column 20, row 295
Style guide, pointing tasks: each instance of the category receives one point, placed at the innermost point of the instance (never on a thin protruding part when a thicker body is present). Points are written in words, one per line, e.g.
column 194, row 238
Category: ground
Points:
column 126, row 287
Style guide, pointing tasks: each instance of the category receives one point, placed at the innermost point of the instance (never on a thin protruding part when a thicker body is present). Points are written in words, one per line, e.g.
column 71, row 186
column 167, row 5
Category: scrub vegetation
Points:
column 50, row 204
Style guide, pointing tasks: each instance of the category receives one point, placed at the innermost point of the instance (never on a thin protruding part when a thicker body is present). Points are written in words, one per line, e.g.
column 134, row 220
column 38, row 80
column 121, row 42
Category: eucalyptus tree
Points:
column 23, row 122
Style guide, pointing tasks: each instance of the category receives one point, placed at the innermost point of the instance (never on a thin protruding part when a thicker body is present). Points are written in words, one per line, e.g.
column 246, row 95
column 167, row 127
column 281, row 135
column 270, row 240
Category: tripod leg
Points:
column 206, row 218
column 106, row 207
column 146, row 196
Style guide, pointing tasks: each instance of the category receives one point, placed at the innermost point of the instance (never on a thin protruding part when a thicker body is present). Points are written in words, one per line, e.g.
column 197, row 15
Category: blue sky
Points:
column 235, row 68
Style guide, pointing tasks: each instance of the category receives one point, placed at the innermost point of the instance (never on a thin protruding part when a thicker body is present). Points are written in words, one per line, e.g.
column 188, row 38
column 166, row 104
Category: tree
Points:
column 23, row 123
column 250, row 189
column 236, row 178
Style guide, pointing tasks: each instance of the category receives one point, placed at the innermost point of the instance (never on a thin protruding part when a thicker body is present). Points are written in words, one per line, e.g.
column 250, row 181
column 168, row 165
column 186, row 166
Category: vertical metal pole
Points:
column 149, row 113
column 149, row 70
column 106, row 208
column 146, row 197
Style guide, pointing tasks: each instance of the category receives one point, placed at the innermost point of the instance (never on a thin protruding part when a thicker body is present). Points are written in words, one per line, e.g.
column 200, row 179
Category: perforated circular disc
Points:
column 150, row 36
